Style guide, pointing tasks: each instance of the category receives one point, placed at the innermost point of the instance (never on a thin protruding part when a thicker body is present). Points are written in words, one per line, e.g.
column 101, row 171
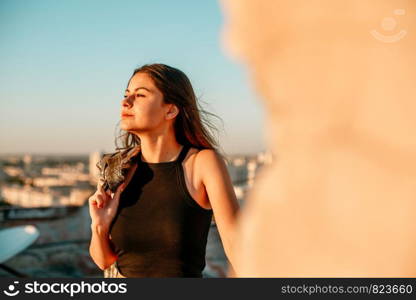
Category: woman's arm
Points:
column 100, row 247
column 221, row 196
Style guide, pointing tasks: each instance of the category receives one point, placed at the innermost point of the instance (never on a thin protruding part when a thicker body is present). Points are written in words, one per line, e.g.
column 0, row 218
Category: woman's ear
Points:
column 172, row 112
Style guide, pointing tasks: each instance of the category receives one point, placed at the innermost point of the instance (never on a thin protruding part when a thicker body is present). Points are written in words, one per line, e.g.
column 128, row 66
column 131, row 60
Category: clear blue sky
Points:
column 64, row 66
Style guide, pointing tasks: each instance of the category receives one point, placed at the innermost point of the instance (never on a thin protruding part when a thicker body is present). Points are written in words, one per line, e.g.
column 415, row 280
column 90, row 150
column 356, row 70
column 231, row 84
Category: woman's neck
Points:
column 159, row 148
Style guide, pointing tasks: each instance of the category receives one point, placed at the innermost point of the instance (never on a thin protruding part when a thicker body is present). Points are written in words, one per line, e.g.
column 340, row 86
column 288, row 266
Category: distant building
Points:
column 243, row 170
column 27, row 196
column 252, row 166
column 265, row 157
column 3, row 174
column 13, row 171
column 238, row 170
column 27, row 160
column 62, row 176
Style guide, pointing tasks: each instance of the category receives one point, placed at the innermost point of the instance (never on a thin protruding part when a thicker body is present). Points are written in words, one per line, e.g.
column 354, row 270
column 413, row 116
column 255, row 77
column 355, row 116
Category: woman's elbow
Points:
column 103, row 264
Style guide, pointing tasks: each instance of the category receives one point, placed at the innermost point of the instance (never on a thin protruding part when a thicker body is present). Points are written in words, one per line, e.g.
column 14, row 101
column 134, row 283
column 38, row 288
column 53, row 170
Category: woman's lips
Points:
column 126, row 116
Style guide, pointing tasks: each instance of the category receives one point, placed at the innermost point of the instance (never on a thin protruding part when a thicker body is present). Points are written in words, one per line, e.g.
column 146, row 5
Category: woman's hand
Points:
column 103, row 205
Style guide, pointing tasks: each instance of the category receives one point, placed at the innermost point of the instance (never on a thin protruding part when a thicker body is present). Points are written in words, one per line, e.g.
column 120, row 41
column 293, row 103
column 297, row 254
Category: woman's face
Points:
column 143, row 108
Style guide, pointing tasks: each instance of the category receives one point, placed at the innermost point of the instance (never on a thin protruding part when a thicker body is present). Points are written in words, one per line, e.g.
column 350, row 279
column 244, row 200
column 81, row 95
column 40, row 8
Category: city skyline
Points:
column 65, row 66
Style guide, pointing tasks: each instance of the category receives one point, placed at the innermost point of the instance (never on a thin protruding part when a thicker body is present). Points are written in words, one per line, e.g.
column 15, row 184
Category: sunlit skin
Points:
column 145, row 114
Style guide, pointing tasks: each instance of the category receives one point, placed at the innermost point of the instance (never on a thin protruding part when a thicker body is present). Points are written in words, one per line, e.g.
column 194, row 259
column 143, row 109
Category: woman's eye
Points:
column 140, row 95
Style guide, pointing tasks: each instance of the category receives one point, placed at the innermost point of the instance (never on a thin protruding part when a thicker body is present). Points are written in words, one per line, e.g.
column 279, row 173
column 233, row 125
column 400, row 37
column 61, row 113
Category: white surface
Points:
column 16, row 239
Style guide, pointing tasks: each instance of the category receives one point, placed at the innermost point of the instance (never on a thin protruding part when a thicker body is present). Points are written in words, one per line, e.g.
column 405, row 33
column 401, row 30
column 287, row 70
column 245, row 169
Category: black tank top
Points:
column 159, row 230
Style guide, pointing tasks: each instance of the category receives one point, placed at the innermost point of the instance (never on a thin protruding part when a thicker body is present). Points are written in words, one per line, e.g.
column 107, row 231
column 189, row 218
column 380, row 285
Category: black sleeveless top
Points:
column 159, row 230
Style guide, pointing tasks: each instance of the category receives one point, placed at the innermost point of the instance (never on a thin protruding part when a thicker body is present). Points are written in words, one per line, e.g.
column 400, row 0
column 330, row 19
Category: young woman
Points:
column 156, row 223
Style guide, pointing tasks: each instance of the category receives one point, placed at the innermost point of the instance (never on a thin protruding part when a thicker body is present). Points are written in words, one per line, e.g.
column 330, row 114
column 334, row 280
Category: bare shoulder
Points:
column 211, row 154
column 208, row 156
column 209, row 160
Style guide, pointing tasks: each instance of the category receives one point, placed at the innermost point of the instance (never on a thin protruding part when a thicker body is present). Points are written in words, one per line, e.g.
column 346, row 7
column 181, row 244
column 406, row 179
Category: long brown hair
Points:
column 192, row 125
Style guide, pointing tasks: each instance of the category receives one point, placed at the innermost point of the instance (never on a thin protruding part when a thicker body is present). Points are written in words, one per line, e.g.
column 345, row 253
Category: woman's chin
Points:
column 125, row 126
column 129, row 129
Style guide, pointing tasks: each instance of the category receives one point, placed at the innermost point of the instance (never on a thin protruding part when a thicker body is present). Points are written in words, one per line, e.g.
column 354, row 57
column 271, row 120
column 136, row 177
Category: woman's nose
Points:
column 126, row 102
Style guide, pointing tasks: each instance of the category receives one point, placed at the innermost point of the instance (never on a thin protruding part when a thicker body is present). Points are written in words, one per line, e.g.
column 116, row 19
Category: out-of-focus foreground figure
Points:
column 338, row 79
